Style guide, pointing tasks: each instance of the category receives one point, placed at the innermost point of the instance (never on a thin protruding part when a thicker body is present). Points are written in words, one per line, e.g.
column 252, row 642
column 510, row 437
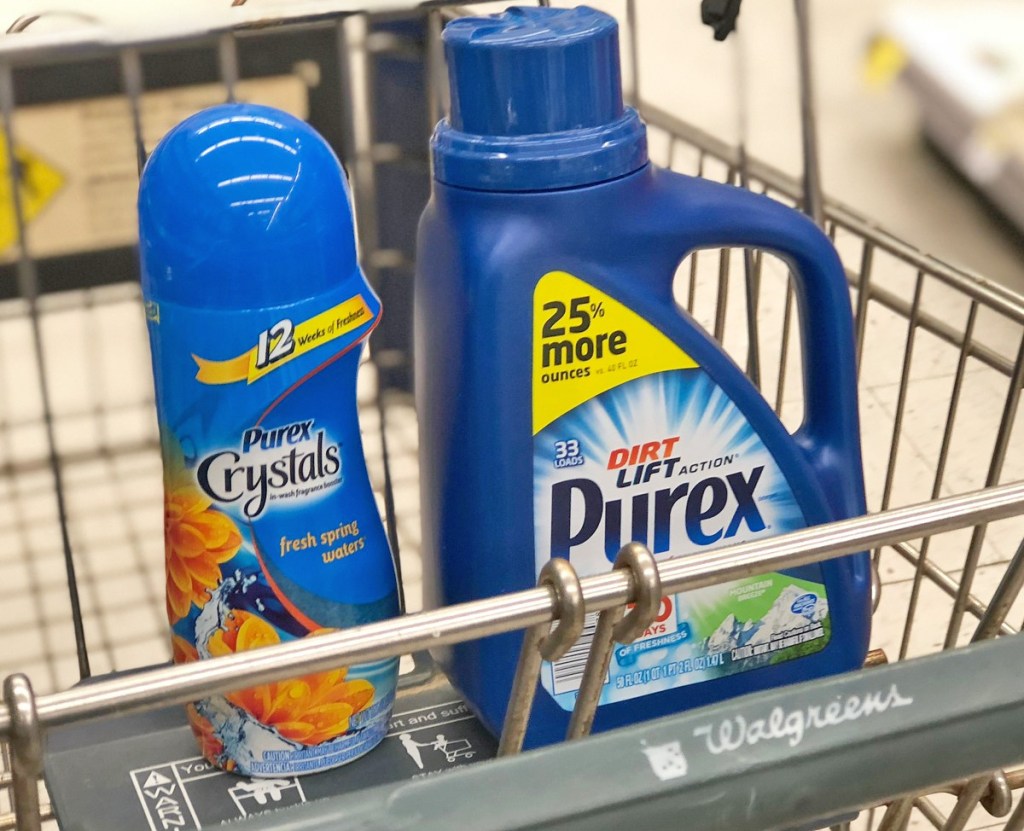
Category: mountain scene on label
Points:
column 795, row 609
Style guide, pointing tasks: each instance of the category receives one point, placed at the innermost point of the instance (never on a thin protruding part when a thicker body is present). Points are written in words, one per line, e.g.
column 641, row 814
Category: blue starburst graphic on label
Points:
column 638, row 443
column 670, row 461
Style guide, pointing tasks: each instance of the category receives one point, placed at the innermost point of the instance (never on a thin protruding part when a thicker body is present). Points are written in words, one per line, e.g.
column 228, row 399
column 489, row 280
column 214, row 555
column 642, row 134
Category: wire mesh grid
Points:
column 940, row 372
column 112, row 484
column 941, row 365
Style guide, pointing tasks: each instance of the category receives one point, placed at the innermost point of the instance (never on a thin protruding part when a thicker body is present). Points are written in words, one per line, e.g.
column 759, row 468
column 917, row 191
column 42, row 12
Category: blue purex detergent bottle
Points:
column 257, row 312
column 568, row 405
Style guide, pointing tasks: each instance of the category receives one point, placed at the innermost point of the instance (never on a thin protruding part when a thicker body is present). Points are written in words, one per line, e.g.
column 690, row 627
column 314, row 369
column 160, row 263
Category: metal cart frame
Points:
column 948, row 710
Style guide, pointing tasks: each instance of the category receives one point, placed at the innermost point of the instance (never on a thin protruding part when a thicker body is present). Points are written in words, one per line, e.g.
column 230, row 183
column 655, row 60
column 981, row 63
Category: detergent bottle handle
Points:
column 716, row 215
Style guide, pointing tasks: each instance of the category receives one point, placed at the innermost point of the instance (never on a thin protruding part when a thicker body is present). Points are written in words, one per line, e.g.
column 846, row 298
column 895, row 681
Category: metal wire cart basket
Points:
column 938, row 740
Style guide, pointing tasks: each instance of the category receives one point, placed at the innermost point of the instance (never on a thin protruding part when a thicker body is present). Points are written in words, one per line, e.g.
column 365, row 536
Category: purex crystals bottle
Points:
column 257, row 311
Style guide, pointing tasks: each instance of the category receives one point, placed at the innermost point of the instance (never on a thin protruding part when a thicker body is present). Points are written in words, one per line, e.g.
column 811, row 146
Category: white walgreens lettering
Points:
column 732, row 733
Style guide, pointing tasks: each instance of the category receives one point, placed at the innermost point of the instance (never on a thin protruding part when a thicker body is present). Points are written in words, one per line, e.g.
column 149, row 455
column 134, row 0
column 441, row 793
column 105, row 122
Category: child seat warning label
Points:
column 193, row 794
column 634, row 441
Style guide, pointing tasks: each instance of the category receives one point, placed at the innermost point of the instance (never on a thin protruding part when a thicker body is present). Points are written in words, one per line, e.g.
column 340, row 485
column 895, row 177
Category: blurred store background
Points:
column 920, row 108
column 920, row 103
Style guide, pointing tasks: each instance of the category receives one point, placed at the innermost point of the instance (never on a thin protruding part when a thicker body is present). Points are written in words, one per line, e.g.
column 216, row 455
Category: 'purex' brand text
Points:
column 706, row 511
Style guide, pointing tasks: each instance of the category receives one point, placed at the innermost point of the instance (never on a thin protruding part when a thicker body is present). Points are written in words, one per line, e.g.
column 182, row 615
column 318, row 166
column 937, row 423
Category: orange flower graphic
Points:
column 312, row 709
column 182, row 652
column 197, row 539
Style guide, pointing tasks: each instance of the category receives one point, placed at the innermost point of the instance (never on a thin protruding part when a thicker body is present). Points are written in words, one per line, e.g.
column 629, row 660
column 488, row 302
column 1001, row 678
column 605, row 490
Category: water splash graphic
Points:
column 214, row 615
column 245, row 740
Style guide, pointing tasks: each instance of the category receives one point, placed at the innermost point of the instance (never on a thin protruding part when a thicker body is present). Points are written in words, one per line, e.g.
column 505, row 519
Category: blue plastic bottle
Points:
column 568, row 405
column 257, row 311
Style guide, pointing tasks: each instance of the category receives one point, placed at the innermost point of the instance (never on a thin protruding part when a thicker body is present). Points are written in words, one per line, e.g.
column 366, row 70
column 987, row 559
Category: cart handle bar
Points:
column 518, row 610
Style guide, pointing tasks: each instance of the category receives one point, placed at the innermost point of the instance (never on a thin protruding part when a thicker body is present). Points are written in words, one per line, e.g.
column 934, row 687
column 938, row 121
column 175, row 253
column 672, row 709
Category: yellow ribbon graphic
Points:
column 284, row 342
column 223, row 372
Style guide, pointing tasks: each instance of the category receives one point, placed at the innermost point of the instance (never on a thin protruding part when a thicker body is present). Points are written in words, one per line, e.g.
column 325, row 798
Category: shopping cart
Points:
column 941, row 351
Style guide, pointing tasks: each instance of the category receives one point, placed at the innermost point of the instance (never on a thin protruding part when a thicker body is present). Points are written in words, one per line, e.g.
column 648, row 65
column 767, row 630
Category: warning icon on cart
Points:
column 666, row 760
column 253, row 797
column 155, row 780
column 451, row 749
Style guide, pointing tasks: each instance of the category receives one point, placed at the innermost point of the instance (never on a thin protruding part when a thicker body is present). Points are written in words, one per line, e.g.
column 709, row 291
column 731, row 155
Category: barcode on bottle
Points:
column 567, row 673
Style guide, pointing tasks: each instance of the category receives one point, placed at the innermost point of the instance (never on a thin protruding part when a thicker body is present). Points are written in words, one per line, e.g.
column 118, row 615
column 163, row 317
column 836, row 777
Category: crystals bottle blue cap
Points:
column 244, row 207
column 536, row 102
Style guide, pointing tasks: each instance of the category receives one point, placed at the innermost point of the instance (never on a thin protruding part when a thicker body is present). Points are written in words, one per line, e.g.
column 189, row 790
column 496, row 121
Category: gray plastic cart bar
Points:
column 774, row 760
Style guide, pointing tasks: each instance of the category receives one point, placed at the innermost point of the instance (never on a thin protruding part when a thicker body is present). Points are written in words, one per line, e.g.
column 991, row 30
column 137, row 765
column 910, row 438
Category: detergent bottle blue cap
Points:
column 243, row 207
column 536, row 102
